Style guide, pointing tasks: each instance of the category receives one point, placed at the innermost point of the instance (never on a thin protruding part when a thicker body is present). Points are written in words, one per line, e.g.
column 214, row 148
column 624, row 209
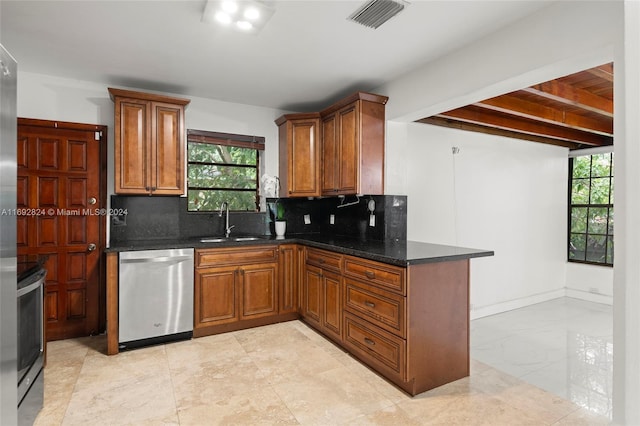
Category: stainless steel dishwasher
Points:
column 155, row 297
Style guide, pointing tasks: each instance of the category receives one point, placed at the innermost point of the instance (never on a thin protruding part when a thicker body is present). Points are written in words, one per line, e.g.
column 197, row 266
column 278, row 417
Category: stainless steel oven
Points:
column 30, row 341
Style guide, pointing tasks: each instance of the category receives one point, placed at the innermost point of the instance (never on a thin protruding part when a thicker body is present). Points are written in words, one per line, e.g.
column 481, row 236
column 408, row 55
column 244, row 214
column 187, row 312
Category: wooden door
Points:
column 332, row 306
column 61, row 188
column 132, row 135
column 329, row 154
column 215, row 296
column 312, row 294
column 167, row 149
column 304, row 158
column 348, row 149
column 259, row 294
column 288, row 278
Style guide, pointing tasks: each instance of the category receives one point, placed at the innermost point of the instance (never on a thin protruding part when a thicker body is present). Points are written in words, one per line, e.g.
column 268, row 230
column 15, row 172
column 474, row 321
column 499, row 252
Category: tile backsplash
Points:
column 152, row 218
column 352, row 219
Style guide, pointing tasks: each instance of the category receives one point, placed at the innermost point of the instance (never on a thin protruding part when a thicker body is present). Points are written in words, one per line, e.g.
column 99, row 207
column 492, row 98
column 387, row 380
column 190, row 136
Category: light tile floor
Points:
column 279, row 374
column 564, row 346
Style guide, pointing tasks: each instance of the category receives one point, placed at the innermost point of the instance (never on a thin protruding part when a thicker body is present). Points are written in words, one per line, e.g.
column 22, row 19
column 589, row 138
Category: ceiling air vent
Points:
column 376, row 12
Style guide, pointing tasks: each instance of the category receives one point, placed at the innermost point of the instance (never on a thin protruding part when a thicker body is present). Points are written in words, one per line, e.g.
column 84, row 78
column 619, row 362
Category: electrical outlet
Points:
column 332, row 219
column 307, row 219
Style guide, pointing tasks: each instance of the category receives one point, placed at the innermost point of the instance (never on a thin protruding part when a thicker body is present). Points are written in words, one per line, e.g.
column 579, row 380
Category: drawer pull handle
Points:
column 370, row 274
column 369, row 341
column 369, row 304
column 321, row 260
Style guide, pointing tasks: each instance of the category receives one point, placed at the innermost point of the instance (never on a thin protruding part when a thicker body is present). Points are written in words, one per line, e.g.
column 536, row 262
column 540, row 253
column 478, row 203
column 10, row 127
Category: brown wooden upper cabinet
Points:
column 349, row 157
column 149, row 143
column 299, row 139
column 353, row 145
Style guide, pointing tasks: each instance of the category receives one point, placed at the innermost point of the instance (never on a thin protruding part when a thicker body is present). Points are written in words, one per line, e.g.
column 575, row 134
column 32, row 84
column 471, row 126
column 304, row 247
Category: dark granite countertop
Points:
column 400, row 253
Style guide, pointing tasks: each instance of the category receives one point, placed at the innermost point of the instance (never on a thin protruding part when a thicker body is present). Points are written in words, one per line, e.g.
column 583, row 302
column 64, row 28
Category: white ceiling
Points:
column 307, row 56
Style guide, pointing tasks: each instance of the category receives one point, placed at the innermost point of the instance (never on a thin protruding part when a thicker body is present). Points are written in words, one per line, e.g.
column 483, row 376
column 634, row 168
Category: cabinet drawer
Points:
column 235, row 256
column 388, row 276
column 377, row 347
column 324, row 259
column 383, row 308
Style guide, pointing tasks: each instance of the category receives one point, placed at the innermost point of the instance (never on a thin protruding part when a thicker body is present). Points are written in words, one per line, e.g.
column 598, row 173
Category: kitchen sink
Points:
column 228, row 240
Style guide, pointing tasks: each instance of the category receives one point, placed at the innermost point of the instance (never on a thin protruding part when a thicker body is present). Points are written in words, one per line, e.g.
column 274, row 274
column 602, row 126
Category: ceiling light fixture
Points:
column 247, row 16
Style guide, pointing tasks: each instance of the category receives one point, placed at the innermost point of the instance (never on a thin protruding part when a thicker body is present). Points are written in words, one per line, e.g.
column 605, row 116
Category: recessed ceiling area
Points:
column 575, row 111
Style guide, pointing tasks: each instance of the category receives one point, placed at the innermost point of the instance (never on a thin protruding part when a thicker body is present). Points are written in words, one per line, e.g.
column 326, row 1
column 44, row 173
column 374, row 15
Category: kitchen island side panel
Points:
column 437, row 324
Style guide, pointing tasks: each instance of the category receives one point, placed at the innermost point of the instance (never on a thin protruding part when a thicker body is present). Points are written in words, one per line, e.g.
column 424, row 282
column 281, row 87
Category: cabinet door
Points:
column 259, row 295
column 332, row 306
column 304, row 158
column 312, row 294
column 288, row 278
column 348, row 149
column 329, row 153
column 215, row 296
column 131, row 148
column 167, row 152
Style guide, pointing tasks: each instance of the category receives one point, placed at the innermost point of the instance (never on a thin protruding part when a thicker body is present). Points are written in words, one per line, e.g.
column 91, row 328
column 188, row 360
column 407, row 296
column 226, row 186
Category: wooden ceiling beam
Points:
column 510, row 104
column 604, row 72
column 476, row 115
column 564, row 93
column 477, row 128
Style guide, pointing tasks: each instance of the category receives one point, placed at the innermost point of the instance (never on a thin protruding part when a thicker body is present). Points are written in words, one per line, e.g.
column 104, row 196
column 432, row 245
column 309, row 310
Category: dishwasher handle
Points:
column 164, row 259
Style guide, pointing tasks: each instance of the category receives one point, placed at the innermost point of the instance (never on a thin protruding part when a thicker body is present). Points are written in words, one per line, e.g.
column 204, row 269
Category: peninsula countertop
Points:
column 399, row 253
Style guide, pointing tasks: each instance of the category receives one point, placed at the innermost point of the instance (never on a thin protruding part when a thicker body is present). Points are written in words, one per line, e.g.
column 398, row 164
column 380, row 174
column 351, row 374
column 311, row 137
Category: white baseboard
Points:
column 591, row 297
column 484, row 311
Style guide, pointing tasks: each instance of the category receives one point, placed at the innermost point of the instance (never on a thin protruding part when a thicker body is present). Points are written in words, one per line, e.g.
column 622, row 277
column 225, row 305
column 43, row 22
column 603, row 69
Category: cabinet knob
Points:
column 92, row 201
column 369, row 341
column 369, row 304
column 370, row 274
column 91, row 247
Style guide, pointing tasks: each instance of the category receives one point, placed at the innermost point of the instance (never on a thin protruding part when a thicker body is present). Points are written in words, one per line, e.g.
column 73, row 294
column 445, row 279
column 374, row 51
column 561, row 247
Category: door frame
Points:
column 102, row 237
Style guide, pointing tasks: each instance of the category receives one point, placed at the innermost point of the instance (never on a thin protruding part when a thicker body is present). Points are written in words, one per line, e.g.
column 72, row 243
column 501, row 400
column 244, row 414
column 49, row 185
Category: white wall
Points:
column 590, row 282
column 497, row 193
column 561, row 39
column 52, row 98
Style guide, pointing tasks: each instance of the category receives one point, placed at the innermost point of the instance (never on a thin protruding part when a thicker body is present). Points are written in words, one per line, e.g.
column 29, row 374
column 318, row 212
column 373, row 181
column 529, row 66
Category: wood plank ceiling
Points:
column 575, row 111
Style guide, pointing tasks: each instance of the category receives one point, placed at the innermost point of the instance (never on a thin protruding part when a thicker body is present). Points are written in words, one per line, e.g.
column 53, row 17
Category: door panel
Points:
column 329, row 153
column 312, row 294
column 131, row 158
column 303, row 158
column 332, row 318
column 60, row 168
column 215, row 291
column 167, row 151
column 259, row 295
column 348, row 150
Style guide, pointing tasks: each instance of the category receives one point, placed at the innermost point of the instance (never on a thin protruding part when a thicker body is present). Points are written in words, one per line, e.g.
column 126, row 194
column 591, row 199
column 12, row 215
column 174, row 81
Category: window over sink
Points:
column 223, row 167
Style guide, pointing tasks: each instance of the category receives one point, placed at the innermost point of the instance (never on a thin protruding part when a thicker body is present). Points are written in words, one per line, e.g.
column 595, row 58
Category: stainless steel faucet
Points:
column 224, row 209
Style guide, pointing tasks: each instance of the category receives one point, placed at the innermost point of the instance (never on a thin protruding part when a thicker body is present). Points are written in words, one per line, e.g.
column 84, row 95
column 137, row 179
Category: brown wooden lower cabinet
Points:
column 380, row 349
column 288, row 276
column 241, row 287
column 410, row 324
column 322, row 292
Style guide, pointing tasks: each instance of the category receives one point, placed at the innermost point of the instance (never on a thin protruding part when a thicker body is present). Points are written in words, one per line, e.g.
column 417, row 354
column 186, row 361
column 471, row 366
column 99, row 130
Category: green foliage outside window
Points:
column 219, row 173
column 591, row 209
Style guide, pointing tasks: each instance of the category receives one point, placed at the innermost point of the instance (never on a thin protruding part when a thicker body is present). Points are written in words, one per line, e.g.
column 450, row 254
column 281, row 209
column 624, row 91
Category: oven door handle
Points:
column 30, row 287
